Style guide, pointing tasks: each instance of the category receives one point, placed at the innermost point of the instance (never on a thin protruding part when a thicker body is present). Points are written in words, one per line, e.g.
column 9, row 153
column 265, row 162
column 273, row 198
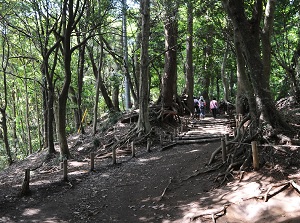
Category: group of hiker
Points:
column 200, row 107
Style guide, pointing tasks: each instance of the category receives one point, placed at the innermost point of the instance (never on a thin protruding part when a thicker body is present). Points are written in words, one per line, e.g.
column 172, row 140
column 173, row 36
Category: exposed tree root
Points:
column 166, row 188
column 168, row 146
column 203, row 172
column 282, row 186
column 228, row 171
column 213, row 213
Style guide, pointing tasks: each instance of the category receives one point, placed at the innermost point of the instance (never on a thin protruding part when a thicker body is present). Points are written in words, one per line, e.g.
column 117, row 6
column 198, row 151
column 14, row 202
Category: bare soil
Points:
column 170, row 185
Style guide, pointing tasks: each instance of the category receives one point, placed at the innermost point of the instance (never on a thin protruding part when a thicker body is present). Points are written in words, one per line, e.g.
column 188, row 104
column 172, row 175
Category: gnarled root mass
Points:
column 239, row 150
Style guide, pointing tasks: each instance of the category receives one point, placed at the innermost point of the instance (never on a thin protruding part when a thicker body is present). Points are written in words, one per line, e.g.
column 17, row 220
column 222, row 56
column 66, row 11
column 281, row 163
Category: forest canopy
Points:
column 65, row 63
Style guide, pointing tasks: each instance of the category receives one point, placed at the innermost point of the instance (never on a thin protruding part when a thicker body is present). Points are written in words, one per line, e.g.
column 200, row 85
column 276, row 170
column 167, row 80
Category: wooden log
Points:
column 25, row 186
column 197, row 140
column 255, row 155
column 191, row 137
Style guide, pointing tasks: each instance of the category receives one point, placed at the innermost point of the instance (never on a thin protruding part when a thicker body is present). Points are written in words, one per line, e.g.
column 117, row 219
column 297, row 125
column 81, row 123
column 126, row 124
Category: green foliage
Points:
column 29, row 30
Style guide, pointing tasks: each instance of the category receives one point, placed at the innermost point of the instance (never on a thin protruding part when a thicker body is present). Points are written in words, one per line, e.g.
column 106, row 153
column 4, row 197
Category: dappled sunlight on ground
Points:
column 162, row 186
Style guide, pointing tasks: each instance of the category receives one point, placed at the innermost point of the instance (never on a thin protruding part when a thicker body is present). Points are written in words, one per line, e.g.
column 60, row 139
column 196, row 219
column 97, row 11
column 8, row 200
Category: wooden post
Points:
column 223, row 150
column 65, row 169
column 240, row 117
column 132, row 150
column 227, row 141
column 237, row 123
column 25, row 185
column 114, row 156
column 255, row 155
column 148, row 145
column 92, row 156
column 181, row 128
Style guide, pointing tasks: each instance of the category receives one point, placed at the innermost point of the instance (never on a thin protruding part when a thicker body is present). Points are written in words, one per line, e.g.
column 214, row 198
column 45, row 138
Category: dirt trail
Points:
column 160, row 186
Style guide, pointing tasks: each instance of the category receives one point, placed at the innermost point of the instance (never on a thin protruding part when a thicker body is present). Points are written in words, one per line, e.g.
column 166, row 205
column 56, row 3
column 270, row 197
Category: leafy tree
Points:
column 3, row 106
column 251, row 35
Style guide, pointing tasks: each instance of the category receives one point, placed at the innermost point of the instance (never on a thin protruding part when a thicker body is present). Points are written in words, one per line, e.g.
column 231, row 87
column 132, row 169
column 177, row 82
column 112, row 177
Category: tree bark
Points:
column 249, row 33
column 169, row 93
column 29, row 143
column 67, row 24
column 223, row 74
column 245, row 95
column 4, row 63
column 143, row 121
column 98, row 80
column 189, row 77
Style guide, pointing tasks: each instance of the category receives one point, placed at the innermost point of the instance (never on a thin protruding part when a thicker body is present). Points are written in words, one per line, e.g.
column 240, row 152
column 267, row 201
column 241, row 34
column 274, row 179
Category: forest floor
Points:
column 174, row 184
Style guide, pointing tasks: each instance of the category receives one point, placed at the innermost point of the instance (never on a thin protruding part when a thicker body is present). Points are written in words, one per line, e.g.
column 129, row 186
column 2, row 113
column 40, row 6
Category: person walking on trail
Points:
column 196, row 107
column 202, row 105
column 213, row 107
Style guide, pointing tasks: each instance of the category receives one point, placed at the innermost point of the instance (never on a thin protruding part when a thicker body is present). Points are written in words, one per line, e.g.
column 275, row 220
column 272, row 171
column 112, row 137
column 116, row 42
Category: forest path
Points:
column 172, row 185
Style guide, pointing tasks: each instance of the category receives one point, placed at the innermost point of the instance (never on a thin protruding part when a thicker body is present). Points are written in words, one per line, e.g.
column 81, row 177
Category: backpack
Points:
column 202, row 104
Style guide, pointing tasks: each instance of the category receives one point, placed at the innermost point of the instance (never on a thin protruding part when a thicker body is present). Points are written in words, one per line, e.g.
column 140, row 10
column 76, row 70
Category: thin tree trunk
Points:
column 223, row 74
column 29, row 143
column 14, row 127
column 98, row 79
column 80, row 85
column 37, row 108
column 45, row 112
column 189, row 77
column 96, row 71
column 4, row 63
column 63, row 96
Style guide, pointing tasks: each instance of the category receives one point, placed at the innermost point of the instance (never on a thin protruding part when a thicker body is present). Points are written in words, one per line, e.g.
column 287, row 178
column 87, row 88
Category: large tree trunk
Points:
column 245, row 95
column 143, row 121
column 249, row 33
column 189, row 77
column 63, row 96
column 170, row 70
